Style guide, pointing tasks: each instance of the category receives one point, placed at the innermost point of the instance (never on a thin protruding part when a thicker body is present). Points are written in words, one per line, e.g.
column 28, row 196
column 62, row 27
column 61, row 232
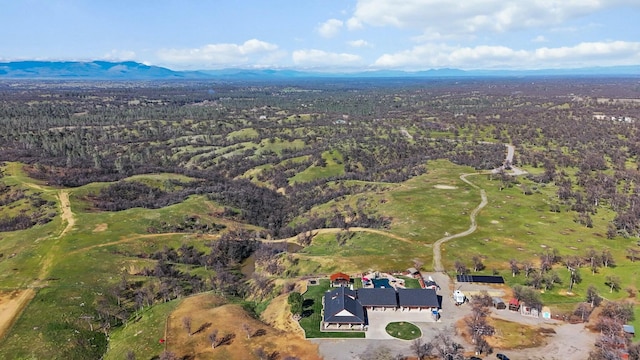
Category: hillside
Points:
column 121, row 203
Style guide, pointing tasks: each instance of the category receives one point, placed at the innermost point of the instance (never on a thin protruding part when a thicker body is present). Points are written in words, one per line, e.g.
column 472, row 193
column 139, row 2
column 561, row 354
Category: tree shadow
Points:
column 202, row 328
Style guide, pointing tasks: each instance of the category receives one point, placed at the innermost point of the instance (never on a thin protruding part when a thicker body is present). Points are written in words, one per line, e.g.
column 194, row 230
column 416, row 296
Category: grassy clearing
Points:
column 312, row 314
column 334, row 167
column 277, row 145
column 243, row 134
column 403, row 330
column 362, row 251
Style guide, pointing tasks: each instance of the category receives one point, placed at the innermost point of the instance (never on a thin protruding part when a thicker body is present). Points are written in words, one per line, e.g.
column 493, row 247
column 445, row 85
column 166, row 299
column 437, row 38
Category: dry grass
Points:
column 510, row 335
column 229, row 318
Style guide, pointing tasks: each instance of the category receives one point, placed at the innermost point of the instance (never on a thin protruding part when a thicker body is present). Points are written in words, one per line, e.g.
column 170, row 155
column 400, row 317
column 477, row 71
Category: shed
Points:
column 629, row 330
column 498, row 303
column 340, row 279
column 412, row 271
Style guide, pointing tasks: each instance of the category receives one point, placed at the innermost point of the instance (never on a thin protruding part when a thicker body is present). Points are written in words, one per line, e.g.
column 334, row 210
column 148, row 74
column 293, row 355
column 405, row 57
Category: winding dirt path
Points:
column 138, row 237
column 337, row 230
column 66, row 213
column 437, row 252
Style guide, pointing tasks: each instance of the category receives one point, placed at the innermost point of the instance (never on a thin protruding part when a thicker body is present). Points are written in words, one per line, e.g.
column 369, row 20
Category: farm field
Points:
column 216, row 212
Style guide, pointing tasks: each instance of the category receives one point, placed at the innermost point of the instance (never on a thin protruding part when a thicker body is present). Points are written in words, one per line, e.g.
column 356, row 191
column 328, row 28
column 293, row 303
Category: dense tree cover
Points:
column 383, row 131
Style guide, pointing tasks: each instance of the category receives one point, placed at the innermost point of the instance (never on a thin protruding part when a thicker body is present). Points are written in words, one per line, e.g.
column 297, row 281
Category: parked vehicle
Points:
column 502, row 357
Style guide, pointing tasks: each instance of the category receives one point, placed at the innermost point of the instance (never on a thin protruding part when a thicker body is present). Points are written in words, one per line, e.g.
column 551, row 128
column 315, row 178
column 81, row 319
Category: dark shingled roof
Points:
column 418, row 298
column 341, row 306
column 377, row 297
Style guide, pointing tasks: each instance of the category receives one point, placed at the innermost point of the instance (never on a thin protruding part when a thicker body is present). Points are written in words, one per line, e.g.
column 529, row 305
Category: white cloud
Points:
column 219, row 54
column 468, row 17
column 585, row 54
column 539, row 39
column 359, row 43
column 330, row 28
column 119, row 55
column 354, row 24
column 320, row 58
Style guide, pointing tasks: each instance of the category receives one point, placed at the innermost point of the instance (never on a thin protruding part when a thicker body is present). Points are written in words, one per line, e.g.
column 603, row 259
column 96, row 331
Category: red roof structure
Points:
column 340, row 277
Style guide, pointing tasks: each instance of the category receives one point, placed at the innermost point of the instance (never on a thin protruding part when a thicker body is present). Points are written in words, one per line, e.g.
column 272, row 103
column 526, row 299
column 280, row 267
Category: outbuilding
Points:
column 498, row 303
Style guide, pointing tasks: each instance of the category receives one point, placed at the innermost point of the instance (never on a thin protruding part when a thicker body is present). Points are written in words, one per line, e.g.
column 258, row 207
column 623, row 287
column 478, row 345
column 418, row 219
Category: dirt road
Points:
column 437, row 252
column 66, row 213
column 11, row 305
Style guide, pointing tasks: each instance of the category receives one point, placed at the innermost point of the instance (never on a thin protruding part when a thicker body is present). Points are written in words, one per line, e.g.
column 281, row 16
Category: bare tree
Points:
column 515, row 269
column 421, row 349
column 613, row 282
column 574, row 278
column 592, row 296
column 607, row 258
column 186, row 323
column 461, row 268
column 477, row 263
column 248, row 330
column 527, row 268
column 213, row 338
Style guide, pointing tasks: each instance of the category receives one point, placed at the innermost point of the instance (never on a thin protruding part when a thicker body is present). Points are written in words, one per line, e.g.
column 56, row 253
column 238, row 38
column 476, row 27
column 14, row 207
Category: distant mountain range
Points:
column 130, row 70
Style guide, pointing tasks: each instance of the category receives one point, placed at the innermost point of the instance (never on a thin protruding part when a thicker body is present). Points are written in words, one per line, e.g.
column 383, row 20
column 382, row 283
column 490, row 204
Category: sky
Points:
column 326, row 35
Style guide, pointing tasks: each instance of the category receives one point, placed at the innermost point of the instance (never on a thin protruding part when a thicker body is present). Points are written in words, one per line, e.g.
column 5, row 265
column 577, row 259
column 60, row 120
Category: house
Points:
column 340, row 279
column 498, row 303
column 378, row 299
column 345, row 309
column 342, row 310
column 417, row 299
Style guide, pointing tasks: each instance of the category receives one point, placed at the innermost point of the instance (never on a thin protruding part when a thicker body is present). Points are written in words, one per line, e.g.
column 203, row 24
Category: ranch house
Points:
column 345, row 309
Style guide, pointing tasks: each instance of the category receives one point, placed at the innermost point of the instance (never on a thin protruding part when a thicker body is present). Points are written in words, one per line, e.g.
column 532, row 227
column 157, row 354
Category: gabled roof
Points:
column 341, row 306
column 628, row 329
column 339, row 276
column 418, row 298
column 377, row 297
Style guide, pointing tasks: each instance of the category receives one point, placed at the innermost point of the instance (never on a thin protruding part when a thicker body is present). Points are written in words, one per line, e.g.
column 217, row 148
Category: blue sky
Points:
column 328, row 35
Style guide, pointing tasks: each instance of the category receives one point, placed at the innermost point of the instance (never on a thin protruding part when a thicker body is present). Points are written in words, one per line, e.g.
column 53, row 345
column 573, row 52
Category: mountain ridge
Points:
column 131, row 70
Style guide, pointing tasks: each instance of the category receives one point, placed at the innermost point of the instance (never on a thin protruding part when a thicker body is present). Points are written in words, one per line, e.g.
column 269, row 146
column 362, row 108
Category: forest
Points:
column 244, row 143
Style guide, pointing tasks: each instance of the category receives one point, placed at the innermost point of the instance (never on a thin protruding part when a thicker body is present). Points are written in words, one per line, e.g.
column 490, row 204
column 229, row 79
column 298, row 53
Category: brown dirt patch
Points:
column 510, row 335
column 229, row 318
column 11, row 305
column 100, row 227
column 445, row 187
column 277, row 314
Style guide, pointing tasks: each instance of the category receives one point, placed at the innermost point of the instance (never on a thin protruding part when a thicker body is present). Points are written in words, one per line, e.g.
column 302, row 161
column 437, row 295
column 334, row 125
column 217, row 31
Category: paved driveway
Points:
column 378, row 320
